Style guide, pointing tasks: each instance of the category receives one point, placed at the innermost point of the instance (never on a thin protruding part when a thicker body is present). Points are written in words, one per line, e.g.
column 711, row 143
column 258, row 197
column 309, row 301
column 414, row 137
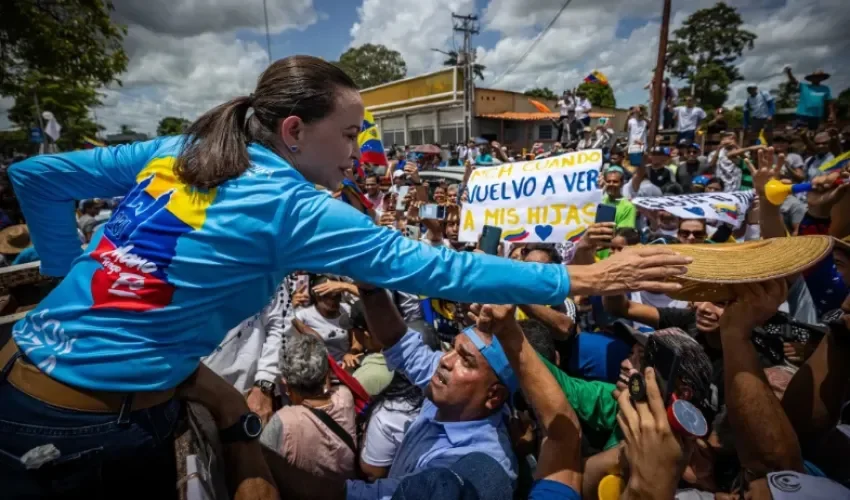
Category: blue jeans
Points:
column 99, row 457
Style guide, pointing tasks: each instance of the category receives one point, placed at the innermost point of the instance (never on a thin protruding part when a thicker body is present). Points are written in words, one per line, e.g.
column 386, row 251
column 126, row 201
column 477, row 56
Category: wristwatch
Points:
column 248, row 428
column 265, row 386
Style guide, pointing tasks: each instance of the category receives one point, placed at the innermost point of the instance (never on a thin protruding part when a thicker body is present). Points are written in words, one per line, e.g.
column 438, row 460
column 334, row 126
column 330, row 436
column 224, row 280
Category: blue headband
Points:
column 495, row 355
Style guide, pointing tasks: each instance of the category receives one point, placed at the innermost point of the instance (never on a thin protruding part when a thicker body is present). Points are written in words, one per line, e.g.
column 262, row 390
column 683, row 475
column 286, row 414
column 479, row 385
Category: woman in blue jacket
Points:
column 210, row 224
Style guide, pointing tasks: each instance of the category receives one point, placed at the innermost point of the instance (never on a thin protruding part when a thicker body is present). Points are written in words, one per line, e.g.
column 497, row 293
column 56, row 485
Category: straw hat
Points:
column 14, row 239
column 719, row 266
column 818, row 75
column 843, row 243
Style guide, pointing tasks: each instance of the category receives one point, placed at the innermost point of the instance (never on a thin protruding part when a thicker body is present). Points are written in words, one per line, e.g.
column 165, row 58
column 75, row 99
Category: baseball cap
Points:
column 398, row 173
column 476, row 476
column 659, row 150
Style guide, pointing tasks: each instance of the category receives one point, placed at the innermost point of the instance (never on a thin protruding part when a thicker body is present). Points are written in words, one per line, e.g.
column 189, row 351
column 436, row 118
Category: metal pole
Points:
column 659, row 74
column 41, row 147
column 268, row 37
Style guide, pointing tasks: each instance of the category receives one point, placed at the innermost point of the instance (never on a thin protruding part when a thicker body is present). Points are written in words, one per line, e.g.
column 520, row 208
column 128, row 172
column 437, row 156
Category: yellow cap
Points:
column 610, row 487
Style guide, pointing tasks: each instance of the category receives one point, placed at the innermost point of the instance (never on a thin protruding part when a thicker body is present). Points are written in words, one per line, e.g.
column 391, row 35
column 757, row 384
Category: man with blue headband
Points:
column 466, row 387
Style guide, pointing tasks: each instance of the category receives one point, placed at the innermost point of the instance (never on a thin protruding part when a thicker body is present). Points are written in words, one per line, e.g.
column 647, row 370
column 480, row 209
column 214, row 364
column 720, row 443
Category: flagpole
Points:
column 41, row 146
column 655, row 119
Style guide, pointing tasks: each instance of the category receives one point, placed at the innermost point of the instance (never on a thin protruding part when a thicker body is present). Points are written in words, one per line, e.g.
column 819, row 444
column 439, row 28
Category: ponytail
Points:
column 216, row 147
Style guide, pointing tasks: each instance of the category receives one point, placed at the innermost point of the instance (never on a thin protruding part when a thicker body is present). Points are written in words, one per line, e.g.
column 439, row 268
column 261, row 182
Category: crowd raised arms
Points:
column 595, row 318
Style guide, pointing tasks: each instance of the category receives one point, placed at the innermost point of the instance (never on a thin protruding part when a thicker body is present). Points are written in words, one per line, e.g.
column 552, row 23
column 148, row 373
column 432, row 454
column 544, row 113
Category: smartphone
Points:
column 432, row 211
column 402, row 194
column 412, row 232
column 302, row 282
column 605, row 213
column 490, row 238
column 722, row 235
column 666, row 362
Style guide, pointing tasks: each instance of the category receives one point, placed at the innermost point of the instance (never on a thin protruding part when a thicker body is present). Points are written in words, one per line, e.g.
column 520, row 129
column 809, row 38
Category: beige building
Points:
column 428, row 109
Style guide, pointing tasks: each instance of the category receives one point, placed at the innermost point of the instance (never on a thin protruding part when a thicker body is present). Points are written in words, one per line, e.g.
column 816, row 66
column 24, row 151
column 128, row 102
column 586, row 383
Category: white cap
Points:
column 398, row 173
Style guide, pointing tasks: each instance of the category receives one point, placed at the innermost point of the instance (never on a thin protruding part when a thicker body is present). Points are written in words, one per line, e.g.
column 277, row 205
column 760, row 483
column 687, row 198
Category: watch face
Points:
column 252, row 424
column 690, row 418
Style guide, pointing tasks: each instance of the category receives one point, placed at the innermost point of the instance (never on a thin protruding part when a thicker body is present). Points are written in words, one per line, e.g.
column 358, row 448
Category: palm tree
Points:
column 451, row 60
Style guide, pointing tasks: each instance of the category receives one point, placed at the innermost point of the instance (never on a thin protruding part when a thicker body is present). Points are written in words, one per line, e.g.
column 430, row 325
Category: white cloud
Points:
column 807, row 34
column 412, row 27
column 185, row 18
column 185, row 57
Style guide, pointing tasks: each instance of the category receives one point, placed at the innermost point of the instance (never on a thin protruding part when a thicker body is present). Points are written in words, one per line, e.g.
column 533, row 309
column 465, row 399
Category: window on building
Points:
column 544, row 132
column 390, row 137
column 451, row 134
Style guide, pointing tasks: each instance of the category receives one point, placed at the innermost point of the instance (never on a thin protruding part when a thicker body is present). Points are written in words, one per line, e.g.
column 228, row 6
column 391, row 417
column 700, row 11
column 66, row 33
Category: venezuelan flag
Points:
column 514, row 235
column 90, row 143
column 596, row 77
column 575, row 235
column 836, row 163
column 371, row 147
column 762, row 140
column 351, row 194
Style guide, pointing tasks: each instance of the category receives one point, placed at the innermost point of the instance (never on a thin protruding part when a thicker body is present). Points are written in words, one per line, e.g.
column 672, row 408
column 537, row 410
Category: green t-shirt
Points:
column 625, row 214
column 373, row 374
column 593, row 403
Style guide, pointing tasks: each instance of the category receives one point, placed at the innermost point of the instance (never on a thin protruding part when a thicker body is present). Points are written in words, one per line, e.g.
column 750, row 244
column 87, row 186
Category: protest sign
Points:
column 549, row 200
column 730, row 208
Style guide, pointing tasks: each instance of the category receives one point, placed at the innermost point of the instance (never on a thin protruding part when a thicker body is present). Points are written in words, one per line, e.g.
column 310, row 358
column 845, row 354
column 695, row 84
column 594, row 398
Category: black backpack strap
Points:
column 337, row 429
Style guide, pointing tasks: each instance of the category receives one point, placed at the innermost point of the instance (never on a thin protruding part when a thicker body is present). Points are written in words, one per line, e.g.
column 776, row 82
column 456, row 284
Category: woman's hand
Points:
column 635, row 268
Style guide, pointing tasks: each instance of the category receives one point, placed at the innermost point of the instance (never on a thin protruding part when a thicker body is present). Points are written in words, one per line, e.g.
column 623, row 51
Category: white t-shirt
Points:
column 333, row 331
column 583, row 107
column 386, row 429
column 566, row 105
column 637, row 132
column 689, row 117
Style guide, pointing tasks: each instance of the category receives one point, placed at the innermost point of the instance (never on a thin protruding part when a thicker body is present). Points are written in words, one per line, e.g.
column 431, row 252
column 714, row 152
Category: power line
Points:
column 534, row 43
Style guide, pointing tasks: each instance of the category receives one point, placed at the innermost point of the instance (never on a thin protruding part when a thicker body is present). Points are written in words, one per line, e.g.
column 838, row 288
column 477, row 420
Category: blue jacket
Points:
column 175, row 267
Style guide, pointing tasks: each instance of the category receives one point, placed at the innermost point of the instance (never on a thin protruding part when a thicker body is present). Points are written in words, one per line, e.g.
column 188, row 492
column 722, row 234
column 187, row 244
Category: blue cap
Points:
column 495, row 355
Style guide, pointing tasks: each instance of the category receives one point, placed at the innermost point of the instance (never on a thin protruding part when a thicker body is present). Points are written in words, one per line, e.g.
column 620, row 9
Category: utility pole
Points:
column 468, row 25
column 659, row 76
column 268, row 37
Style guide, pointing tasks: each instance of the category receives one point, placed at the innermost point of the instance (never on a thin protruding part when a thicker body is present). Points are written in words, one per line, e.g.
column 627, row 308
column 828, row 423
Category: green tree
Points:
column 599, row 94
column 71, row 40
column 843, row 104
column 544, row 93
column 787, row 95
column 68, row 101
column 369, row 65
column 451, row 60
column 171, row 125
column 704, row 50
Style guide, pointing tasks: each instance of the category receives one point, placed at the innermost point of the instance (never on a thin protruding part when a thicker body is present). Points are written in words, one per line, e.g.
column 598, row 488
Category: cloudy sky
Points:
column 187, row 56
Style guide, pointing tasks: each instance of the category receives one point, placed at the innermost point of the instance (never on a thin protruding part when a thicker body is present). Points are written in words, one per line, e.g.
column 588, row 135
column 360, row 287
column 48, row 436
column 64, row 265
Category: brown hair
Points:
column 215, row 149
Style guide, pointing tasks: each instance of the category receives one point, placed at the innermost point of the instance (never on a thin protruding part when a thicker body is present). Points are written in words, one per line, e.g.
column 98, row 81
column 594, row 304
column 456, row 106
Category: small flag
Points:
column 540, row 106
column 52, row 129
column 762, row 140
column 836, row 163
column 351, row 194
column 90, row 143
column 596, row 76
column 371, row 147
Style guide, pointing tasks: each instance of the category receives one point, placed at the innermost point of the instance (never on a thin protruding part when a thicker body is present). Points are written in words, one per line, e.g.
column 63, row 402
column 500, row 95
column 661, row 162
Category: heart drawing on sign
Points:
column 543, row 232
column 695, row 210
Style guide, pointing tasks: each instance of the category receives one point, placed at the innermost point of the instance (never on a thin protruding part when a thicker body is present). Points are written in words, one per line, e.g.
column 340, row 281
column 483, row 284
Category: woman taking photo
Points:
column 211, row 222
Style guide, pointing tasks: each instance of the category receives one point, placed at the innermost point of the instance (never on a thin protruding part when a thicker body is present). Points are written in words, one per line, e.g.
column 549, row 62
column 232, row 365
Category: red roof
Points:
column 531, row 117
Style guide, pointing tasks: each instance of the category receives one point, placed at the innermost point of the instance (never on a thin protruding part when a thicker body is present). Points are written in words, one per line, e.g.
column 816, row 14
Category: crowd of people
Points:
column 388, row 359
